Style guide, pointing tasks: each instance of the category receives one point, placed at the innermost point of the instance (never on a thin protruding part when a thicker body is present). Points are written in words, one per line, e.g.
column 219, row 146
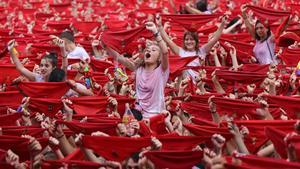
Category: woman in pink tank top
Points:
column 151, row 74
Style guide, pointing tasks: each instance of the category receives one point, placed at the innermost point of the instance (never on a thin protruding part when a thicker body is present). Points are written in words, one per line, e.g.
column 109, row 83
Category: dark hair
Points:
column 67, row 35
column 57, row 75
column 267, row 26
column 202, row 5
column 194, row 36
column 52, row 57
column 135, row 156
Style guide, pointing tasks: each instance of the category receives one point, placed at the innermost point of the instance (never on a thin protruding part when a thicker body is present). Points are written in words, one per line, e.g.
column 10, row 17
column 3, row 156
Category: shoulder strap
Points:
column 269, row 50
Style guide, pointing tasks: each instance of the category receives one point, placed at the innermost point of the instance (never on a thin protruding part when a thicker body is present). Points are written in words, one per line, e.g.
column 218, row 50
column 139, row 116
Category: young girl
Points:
column 191, row 45
column 264, row 49
column 151, row 74
column 47, row 65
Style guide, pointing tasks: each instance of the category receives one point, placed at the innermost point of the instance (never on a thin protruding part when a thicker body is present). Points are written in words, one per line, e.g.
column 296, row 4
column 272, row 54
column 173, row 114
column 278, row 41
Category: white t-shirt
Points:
column 201, row 53
column 78, row 53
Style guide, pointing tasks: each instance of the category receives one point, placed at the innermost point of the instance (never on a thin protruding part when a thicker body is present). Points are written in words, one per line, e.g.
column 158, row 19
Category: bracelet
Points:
column 156, row 34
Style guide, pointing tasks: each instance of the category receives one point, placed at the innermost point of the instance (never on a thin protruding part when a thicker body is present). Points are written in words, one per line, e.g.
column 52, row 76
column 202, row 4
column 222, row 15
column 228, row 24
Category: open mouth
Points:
column 147, row 55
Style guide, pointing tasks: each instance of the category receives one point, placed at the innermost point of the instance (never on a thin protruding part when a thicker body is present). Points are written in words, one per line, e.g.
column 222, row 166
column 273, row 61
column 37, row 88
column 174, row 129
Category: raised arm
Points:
column 247, row 22
column 61, row 44
column 165, row 36
column 191, row 9
column 162, row 45
column 13, row 54
column 120, row 58
column 207, row 47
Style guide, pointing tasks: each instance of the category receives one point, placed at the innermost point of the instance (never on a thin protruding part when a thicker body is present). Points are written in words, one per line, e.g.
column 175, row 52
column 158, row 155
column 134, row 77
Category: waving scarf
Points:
column 115, row 148
column 288, row 103
column 166, row 159
column 191, row 22
column 119, row 40
column 277, row 138
column 10, row 99
column 44, row 105
column 44, row 89
column 234, row 105
column 271, row 14
column 88, row 128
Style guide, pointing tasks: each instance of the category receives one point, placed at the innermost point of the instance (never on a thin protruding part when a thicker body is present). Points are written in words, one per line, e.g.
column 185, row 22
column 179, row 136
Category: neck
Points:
column 71, row 47
column 150, row 66
column 263, row 38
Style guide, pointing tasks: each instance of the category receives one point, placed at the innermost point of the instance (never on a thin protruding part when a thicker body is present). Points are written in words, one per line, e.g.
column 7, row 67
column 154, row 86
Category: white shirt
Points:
column 78, row 53
column 201, row 53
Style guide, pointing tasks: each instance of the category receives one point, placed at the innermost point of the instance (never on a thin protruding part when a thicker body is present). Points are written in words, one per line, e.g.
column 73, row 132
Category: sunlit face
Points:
column 261, row 30
column 189, row 43
column 151, row 54
column 46, row 67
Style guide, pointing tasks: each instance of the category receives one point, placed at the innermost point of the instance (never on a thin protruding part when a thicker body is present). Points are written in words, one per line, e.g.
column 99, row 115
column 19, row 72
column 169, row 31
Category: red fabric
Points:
column 88, row 128
column 257, row 136
column 197, row 110
column 207, row 131
column 174, row 159
column 157, row 124
column 70, row 164
column 281, row 27
column 86, row 27
column 287, row 39
column 179, row 143
column 10, row 73
column 200, row 121
column 290, row 104
column 92, row 105
column 21, row 130
column 263, row 162
column 290, row 59
column 10, row 99
column 100, row 66
column 258, row 68
column 9, row 120
column 44, row 105
column 44, row 89
column 267, row 13
column 119, row 40
column 277, row 138
column 177, row 64
column 240, row 76
column 191, row 22
column 115, row 148
column 234, row 105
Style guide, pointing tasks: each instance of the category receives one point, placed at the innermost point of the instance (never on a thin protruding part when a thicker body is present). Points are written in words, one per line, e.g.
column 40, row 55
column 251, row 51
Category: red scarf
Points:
column 115, row 148
column 88, row 128
column 174, row 159
column 191, row 22
column 119, row 40
column 44, row 105
column 44, row 89
column 270, row 14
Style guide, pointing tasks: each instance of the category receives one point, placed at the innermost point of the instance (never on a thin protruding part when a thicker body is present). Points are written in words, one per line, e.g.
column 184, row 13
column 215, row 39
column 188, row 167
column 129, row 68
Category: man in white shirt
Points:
column 73, row 51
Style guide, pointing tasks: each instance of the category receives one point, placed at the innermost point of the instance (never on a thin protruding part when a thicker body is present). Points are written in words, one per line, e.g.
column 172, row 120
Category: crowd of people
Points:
column 138, row 84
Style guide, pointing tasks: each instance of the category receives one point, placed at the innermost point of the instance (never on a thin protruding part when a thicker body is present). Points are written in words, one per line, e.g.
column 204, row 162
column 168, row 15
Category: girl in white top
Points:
column 191, row 45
